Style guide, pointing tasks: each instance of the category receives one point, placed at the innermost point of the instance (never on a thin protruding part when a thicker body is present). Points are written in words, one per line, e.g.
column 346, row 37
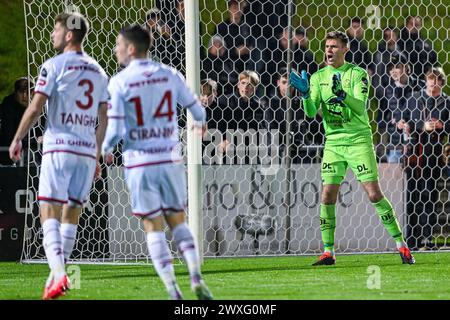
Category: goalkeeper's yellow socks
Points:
column 387, row 216
column 328, row 226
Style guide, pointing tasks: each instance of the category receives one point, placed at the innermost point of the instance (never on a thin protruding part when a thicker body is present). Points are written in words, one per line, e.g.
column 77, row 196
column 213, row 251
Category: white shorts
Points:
column 157, row 189
column 66, row 178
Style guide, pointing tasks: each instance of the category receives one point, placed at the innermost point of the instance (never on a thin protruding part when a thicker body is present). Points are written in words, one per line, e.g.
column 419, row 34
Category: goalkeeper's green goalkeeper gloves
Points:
column 300, row 83
column 337, row 89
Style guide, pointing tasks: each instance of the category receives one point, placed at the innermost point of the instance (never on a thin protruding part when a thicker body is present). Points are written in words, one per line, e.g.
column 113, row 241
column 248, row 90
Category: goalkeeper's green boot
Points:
column 407, row 257
column 326, row 259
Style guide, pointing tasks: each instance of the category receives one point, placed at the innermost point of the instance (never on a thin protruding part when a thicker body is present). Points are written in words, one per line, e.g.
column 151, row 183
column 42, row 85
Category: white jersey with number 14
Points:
column 143, row 111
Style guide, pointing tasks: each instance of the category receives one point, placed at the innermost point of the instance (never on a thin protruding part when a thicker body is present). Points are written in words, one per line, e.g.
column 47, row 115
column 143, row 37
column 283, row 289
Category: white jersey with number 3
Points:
column 75, row 85
column 143, row 110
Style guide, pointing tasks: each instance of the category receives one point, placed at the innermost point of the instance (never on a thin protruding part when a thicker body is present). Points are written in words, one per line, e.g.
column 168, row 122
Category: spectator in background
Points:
column 275, row 57
column 418, row 51
column 11, row 111
column 243, row 114
column 215, row 121
column 303, row 58
column 218, row 66
column 266, row 18
column 358, row 53
column 387, row 49
column 303, row 131
column 177, row 25
column 208, row 98
column 162, row 48
column 393, row 108
column 429, row 129
column 238, row 37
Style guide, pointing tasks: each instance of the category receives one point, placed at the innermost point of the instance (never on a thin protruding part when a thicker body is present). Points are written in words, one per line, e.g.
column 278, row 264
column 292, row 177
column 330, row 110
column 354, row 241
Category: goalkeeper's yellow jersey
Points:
column 343, row 125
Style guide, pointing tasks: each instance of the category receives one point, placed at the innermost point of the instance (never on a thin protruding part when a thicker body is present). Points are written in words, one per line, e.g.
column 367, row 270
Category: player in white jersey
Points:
column 142, row 111
column 73, row 86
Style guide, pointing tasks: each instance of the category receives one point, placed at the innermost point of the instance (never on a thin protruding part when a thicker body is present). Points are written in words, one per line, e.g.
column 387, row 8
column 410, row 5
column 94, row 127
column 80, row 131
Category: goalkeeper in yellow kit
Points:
column 342, row 88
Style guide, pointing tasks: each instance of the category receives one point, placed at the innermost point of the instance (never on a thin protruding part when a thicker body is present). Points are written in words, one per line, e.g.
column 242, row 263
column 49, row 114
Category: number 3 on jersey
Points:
column 163, row 110
column 87, row 93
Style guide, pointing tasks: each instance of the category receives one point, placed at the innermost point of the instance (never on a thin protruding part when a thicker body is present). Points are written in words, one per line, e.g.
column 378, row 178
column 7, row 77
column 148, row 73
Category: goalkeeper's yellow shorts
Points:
column 359, row 157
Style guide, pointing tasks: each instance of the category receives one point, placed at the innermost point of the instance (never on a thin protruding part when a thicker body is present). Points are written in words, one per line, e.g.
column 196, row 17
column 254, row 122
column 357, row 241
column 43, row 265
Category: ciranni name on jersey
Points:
column 150, row 133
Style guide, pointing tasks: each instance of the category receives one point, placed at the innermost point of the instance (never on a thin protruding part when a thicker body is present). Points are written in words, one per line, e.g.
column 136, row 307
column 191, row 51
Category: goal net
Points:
column 261, row 158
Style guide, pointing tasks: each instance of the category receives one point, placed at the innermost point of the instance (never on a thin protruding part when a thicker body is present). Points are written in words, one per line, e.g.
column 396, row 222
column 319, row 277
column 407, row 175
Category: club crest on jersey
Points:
column 365, row 81
column 44, row 72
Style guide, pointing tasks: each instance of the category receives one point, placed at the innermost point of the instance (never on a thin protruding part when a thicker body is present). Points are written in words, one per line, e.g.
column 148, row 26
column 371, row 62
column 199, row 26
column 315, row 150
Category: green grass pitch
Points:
column 260, row 278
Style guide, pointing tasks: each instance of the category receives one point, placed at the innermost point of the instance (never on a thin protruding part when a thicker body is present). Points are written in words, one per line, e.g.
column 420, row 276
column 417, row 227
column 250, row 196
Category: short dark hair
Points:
column 398, row 59
column 22, row 84
column 75, row 23
column 138, row 36
column 357, row 20
column 337, row 35
column 300, row 30
column 283, row 73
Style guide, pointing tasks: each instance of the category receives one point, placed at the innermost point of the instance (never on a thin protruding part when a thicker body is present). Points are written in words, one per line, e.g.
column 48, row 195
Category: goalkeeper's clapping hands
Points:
column 337, row 89
column 300, row 83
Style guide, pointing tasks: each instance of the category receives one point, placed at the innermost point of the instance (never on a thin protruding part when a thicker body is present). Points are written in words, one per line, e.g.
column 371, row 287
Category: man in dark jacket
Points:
column 393, row 108
column 163, row 47
column 429, row 129
column 275, row 57
column 418, row 51
column 243, row 114
column 238, row 38
column 11, row 112
column 359, row 53
column 218, row 66
column 387, row 49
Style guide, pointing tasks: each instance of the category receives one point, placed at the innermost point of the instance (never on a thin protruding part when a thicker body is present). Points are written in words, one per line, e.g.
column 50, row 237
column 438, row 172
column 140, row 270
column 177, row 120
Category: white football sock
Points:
column 400, row 244
column 49, row 279
column 162, row 258
column 53, row 247
column 68, row 237
column 186, row 244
